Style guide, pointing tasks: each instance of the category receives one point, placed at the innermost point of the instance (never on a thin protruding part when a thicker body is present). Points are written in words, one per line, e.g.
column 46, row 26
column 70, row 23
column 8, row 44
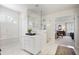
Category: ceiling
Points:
column 16, row 7
column 46, row 8
column 50, row 8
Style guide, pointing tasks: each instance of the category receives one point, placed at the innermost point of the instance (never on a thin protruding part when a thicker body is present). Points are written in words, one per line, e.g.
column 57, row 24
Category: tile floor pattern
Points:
column 15, row 48
column 51, row 48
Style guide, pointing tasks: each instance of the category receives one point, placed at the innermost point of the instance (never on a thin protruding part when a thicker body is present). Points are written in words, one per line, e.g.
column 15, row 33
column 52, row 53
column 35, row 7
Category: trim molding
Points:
column 31, row 53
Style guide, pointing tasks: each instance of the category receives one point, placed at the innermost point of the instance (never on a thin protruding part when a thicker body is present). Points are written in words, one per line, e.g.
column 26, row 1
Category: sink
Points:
column 31, row 34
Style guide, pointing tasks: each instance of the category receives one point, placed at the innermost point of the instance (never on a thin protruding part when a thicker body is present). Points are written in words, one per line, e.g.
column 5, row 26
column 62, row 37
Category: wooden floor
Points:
column 61, row 50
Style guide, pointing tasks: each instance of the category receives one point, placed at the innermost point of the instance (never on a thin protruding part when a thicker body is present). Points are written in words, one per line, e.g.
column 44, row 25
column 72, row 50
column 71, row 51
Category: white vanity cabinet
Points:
column 32, row 44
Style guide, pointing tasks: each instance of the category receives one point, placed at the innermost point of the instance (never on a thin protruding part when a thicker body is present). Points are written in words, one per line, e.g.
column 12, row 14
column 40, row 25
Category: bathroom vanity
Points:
column 32, row 44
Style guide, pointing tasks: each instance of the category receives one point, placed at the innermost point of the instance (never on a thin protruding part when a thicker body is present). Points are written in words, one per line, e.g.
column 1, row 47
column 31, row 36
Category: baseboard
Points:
column 31, row 53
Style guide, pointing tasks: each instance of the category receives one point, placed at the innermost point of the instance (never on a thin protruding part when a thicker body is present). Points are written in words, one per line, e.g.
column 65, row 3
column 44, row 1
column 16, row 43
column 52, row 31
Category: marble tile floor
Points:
column 13, row 49
column 51, row 47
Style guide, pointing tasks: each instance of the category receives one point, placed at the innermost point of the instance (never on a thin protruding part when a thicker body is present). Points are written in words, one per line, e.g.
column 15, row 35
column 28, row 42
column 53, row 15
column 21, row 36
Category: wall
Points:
column 13, row 26
column 22, row 24
column 34, row 21
column 8, row 25
column 77, row 30
column 50, row 27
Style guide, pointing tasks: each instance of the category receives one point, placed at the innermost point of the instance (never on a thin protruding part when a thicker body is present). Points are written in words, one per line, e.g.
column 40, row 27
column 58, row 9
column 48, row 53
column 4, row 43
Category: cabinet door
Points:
column 28, row 44
column 37, row 45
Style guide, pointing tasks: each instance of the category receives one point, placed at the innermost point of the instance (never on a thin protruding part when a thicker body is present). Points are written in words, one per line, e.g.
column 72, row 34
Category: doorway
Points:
column 65, row 30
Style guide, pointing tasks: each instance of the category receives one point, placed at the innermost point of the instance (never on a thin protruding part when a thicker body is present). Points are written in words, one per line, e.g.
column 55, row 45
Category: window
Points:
column 70, row 27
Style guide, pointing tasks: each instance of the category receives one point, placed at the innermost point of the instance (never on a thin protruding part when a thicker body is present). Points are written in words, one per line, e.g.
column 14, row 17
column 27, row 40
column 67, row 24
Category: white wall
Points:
column 77, row 30
column 23, row 23
column 8, row 25
column 13, row 26
column 50, row 27
column 34, row 21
